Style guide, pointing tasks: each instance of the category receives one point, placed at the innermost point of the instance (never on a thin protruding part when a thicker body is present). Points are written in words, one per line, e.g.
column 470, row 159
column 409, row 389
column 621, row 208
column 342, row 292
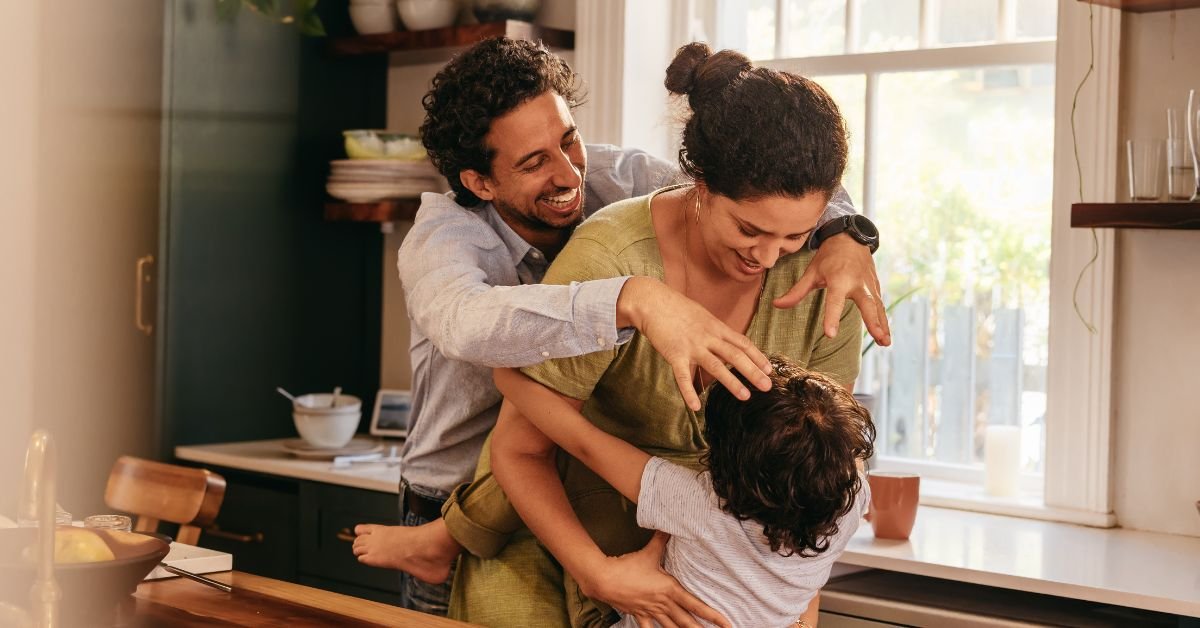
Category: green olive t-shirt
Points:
column 630, row 391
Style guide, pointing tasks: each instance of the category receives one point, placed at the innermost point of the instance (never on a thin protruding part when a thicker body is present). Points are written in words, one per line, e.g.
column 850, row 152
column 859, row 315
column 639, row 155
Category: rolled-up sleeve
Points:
column 450, row 265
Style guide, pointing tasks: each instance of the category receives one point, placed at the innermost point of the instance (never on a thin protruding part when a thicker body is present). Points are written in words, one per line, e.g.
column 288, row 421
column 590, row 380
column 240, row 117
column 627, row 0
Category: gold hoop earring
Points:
column 697, row 212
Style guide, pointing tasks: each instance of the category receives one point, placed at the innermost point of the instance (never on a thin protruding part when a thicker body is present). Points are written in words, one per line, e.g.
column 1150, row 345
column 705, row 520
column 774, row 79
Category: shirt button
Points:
column 536, row 255
column 545, row 354
column 600, row 342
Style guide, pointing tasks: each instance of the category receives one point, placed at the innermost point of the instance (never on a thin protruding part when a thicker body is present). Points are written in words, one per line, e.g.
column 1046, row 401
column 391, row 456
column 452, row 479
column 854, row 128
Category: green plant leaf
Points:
column 310, row 24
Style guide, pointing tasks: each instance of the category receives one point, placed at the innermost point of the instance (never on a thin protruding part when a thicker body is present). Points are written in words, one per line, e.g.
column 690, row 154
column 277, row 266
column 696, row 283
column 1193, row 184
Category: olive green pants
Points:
column 509, row 579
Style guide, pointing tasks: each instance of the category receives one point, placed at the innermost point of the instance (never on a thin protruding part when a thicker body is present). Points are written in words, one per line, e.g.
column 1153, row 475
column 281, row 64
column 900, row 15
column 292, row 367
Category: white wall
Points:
column 17, row 242
column 1157, row 322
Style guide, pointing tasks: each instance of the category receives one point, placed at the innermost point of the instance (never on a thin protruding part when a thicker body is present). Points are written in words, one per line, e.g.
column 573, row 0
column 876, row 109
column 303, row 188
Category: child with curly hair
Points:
column 755, row 534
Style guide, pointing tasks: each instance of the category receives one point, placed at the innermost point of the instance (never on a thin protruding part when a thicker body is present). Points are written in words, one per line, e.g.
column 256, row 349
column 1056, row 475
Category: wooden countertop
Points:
column 268, row 456
column 258, row 601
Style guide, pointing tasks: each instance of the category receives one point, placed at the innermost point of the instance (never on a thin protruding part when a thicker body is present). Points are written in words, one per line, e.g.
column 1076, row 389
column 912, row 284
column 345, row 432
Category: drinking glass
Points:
column 1144, row 157
column 109, row 522
column 1181, row 182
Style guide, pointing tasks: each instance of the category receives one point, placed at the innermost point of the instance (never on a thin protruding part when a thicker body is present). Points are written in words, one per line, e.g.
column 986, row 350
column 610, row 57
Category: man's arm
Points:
column 450, row 300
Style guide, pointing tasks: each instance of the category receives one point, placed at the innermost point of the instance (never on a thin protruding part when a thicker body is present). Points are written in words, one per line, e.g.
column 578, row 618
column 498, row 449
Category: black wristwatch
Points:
column 856, row 226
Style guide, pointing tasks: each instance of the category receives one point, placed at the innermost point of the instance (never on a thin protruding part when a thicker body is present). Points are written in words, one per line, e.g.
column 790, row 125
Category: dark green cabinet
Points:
column 303, row 531
column 255, row 289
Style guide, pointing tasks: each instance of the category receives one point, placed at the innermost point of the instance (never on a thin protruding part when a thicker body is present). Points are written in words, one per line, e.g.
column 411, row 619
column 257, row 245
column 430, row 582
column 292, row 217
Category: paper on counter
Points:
column 193, row 559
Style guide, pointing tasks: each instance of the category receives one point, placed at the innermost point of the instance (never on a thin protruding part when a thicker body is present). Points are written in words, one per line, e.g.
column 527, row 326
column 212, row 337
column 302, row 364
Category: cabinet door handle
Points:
column 345, row 535
column 255, row 537
column 140, row 278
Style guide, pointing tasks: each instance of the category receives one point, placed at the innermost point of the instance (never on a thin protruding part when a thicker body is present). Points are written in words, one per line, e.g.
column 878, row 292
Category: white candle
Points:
column 1002, row 459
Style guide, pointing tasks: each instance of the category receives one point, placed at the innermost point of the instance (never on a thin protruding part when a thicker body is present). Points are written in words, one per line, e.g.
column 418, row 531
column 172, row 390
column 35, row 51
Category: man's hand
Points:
column 846, row 270
column 636, row 584
column 688, row 336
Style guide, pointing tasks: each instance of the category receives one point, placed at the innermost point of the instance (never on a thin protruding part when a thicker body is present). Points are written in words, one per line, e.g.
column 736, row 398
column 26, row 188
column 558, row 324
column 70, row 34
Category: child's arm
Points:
column 618, row 462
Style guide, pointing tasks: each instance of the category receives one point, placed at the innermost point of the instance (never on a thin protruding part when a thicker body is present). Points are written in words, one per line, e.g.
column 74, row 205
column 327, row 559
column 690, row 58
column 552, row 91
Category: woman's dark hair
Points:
column 755, row 132
column 483, row 83
column 787, row 458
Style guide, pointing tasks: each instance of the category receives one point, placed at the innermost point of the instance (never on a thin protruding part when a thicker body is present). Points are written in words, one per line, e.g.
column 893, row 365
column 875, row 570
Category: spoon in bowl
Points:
column 280, row 390
column 337, row 391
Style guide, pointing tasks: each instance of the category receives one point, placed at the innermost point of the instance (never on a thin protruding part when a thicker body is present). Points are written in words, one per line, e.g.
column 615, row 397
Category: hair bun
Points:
column 697, row 70
column 681, row 74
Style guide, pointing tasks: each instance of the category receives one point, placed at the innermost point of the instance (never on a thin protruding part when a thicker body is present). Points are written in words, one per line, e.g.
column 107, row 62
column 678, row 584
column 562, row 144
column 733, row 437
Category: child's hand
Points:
column 637, row 585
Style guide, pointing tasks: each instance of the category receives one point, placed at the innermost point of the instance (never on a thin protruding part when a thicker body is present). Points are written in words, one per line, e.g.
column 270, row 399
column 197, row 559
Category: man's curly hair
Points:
column 786, row 458
column 483, row 83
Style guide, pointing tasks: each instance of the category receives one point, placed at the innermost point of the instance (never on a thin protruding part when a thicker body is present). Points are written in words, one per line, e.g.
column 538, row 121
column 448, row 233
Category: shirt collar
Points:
column 517, row 247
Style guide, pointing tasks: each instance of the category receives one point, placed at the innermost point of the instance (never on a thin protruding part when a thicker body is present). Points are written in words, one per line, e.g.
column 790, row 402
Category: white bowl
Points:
column 420, row 15
column 321, row 425
column 369, row 19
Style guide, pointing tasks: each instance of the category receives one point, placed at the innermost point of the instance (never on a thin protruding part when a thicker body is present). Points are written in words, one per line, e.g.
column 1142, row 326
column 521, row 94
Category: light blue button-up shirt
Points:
column 461, row 268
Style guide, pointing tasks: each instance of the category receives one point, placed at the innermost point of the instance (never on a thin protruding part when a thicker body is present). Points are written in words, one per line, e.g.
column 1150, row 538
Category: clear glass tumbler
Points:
column 109, row 522
column 1144, row 157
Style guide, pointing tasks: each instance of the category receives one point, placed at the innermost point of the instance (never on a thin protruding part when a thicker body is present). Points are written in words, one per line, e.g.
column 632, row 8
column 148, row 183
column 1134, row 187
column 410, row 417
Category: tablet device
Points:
column 393, row 411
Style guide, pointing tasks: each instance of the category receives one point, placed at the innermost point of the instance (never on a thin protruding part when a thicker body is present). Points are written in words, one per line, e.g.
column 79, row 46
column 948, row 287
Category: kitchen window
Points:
column 968, row 150
column 951, row 113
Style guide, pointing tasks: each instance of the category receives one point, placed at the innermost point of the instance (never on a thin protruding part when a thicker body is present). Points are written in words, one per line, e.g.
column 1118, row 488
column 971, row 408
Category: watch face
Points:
column 864, row 227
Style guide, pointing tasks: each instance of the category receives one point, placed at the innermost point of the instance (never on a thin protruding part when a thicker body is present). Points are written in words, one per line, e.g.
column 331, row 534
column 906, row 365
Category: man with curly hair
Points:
column 499, row 127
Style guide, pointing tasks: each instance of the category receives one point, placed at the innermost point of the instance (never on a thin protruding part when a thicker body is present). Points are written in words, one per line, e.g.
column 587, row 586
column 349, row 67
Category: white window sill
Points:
column 1026, row 504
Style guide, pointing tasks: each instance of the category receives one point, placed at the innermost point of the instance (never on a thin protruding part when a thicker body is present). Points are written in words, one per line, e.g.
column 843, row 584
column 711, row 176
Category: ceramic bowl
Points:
column 326, row 426
column 499, row 10
column 420, row 15
column 378, row 144
column 373, row 18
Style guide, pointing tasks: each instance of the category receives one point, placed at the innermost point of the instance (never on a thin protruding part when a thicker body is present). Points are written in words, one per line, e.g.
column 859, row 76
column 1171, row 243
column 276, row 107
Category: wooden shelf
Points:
column 1136, row 215
column 435, row 44
column 379, row 211
column 1146, row 6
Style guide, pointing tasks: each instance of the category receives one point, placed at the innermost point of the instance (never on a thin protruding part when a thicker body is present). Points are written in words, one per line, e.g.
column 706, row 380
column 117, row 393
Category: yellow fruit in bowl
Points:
column 80, row 545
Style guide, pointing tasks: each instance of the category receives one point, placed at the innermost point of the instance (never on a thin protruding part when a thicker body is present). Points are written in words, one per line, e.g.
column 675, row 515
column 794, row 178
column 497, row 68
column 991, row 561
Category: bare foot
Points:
column 425, row 552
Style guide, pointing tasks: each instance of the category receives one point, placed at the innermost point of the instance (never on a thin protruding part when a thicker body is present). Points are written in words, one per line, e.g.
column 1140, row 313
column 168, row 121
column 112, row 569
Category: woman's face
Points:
column 745, row 238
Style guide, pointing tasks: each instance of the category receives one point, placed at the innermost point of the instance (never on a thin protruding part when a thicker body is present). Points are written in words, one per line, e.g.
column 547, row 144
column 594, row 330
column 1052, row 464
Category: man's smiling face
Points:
column 538, row 169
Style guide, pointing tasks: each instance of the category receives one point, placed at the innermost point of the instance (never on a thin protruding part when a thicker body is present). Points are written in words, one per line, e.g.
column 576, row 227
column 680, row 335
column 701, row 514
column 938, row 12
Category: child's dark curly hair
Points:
column 753, row 131
column 483, row 83
column 786, row 458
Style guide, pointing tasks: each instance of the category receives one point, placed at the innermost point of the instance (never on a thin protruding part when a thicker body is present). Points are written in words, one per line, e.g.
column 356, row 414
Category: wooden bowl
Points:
column 90, row 590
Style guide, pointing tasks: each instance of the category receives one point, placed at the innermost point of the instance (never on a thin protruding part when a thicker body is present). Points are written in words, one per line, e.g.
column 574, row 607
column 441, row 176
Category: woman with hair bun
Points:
column 765, row 150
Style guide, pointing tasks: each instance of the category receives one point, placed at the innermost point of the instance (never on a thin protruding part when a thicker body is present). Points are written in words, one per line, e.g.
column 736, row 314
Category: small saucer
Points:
column 301, row 449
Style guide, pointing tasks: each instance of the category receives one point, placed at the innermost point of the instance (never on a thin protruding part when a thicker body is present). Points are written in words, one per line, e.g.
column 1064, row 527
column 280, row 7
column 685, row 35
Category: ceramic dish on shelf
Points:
column 301, row 449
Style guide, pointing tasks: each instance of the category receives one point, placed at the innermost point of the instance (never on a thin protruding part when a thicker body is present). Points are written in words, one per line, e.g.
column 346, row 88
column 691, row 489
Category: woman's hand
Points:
column 637, row 585
column 846, row 270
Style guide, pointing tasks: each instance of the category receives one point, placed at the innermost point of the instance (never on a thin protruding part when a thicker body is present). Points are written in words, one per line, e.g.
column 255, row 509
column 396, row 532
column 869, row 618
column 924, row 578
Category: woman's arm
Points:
column 558, row 418
column 523, row 462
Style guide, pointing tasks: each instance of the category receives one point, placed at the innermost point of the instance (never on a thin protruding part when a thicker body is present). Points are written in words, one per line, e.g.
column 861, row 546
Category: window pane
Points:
column 967, row 21
column 815, row 27
column 1037, row 19
column 760, row 29
column 963, row 204
column 889, row 25
column 849, row 92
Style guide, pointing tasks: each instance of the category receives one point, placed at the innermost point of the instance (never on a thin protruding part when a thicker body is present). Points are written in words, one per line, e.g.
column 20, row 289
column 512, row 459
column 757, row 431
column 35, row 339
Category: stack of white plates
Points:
column 368, row 180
